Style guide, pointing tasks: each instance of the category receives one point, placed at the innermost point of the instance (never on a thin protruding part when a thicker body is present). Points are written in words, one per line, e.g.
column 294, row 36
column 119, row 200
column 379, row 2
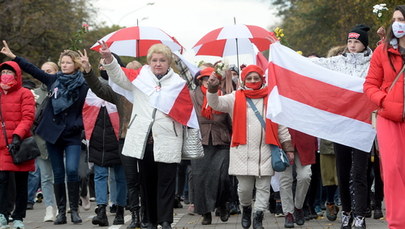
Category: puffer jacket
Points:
column 18, row 110
column 254, row 158
column 380, row 77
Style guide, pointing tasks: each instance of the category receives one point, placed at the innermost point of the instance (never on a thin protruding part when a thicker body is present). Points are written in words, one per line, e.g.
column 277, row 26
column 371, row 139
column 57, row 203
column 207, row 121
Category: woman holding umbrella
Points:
column 61, row 126
column 250, row 153
column 154, row 136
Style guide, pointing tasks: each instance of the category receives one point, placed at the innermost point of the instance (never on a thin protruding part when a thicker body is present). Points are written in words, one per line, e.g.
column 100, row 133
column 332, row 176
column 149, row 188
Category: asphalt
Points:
column 183, row 220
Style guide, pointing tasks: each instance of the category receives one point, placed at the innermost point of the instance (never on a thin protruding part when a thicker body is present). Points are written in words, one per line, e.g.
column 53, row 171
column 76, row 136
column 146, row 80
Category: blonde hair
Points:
column 133, row 65
column 53, row 65
column 160, row 49
column 75, row 58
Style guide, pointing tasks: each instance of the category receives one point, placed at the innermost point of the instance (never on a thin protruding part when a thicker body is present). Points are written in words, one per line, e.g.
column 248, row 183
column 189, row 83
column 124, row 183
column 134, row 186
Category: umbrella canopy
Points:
column 135, row 41
column 233, row 40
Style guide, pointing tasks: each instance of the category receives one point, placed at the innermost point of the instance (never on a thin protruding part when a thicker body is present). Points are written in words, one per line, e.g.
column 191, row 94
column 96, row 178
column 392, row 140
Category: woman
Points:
column 154, row 135
column 61, row 125
column 17, row 113
column 210, row 173
column 351, row 163
column 388, row 94
column 250, row 153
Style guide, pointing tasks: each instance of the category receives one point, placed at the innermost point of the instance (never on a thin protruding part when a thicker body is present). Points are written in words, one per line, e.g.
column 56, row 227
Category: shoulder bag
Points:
column 279, row 160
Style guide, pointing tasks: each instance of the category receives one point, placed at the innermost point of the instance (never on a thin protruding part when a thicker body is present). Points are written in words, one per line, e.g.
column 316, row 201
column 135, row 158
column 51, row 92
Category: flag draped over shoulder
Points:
column 317, row 101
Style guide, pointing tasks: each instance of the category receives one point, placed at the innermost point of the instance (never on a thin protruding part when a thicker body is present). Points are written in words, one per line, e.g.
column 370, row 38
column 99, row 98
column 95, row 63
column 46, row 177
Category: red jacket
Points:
column 380, row 77
column 18, row 109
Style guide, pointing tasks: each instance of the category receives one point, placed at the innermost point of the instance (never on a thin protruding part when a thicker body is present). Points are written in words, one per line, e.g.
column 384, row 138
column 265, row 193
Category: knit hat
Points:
column 249, row 69
column 207, row 72
column 8, row 67
column 359, row 32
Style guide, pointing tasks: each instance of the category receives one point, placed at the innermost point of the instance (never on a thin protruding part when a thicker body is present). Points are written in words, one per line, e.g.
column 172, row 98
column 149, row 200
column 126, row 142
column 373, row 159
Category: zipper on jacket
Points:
column 174, row 129
column 149, row 129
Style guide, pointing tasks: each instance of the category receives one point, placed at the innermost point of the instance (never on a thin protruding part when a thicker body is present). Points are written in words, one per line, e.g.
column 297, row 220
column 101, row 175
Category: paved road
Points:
column 182, row 220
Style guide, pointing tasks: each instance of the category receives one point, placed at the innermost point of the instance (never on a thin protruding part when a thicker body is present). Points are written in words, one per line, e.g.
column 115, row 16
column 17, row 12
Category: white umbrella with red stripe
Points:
column 233, row 40
column 135, row 41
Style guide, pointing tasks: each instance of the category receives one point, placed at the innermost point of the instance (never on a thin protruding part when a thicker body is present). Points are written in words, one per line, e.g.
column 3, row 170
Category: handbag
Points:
column 374, row 113
column 28, row 149
column 39, row 114
column 192, row 147
column 279, row 160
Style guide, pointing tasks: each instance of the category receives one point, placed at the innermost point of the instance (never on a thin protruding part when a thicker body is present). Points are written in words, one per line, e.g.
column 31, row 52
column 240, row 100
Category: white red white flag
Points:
column 317, row 101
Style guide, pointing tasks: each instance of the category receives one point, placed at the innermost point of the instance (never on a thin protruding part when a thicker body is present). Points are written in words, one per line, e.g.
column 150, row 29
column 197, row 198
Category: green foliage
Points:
column 315, row 26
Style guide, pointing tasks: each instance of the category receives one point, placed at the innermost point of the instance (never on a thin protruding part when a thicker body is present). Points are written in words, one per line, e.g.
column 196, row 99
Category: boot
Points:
column 257, row 220
column 135, row 222
column 60, row 196
column 73, row 191
column 246, row 216
column 119, row 216
column 101, row 217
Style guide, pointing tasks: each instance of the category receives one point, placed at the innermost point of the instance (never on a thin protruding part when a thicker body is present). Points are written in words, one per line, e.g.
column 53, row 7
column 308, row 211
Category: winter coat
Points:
column 167, row 134
column 18, row 111
column 379, row 79
column 219, row 129
column 254, row 158
column 101, row 88
column 352, row 64
column 66, row 126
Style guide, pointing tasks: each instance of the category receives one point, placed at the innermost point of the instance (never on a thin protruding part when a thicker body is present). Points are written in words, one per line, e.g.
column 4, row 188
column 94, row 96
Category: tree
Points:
column 317, row 25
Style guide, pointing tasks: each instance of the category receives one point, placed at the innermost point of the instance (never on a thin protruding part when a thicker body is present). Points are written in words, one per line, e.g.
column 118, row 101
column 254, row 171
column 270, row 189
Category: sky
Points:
column 186, row 20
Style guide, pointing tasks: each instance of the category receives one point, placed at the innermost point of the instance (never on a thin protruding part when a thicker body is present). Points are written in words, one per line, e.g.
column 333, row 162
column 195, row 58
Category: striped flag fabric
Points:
column 317, row 101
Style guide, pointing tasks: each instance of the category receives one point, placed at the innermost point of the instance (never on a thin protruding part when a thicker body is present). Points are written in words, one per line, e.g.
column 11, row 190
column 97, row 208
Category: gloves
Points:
column 15, row 144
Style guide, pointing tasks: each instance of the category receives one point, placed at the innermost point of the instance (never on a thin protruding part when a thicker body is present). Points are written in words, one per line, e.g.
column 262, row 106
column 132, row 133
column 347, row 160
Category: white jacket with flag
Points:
column 167, row 133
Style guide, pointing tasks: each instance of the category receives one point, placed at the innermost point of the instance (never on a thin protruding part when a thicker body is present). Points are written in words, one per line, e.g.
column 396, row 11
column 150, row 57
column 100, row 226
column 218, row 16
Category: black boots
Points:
column 246, row 216
column 207, row 219
column 257, row 220
column 101, row 217
column 119, row 216
column 73, row 191
column 60, row 196
column 135, row 221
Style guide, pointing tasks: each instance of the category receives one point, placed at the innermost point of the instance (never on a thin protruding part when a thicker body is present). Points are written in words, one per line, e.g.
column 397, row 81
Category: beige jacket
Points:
column 254, row 158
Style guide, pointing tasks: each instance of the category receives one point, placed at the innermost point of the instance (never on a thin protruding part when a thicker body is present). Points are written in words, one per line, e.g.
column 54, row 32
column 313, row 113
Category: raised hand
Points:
column 85, row 61
column 6, row 50
column 213, row 83
column 105, row 52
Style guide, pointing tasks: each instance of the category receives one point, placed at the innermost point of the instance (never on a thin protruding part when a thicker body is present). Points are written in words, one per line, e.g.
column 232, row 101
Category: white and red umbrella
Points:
column 233, row 40
column 135, row 41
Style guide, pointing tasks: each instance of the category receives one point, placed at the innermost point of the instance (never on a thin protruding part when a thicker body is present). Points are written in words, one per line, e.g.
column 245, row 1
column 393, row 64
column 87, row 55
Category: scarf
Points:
column 206, row 111
column 239, row 118
column 66, row 90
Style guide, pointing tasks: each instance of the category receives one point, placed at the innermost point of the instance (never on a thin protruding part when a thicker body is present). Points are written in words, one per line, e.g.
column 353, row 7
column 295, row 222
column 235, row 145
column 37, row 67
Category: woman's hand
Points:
column 105, row 52
column 6, row 51
column 213, row 83
column 85, row 61
column 290, row 156
column 381, row 33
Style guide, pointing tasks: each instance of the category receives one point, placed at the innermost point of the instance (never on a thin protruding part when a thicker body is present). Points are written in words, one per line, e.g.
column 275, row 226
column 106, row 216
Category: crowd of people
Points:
column 118, row 121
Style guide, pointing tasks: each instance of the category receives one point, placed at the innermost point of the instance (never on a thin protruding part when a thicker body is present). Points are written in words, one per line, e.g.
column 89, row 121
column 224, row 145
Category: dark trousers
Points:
column 158, row 181
column 130, row 165
column 21, row 194
column 351, row 165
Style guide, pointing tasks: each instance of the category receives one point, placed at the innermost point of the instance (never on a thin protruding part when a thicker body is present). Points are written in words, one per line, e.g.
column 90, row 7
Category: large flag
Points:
column 317, row 101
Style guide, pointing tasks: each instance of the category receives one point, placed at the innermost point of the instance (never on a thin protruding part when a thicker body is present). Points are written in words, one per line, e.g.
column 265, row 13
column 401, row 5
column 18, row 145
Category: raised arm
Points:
column 219, row 103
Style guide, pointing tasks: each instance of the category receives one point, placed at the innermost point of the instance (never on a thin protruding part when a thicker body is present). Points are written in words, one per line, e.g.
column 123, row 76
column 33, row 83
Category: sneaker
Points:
column 347, row 220
column 378, row 214
column 318, row 210
column 331, row 211
column 92, row 199
column 30, row 206
column 85, row 203
column 39, row 197
column 299, row 216
column 18, row 224
column 3, row 221
column 279, row 210
column 289, row 221
column 49, row 215
column 359, row 222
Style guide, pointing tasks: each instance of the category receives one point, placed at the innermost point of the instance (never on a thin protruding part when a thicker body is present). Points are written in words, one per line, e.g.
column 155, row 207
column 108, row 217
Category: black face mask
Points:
column 103, row 73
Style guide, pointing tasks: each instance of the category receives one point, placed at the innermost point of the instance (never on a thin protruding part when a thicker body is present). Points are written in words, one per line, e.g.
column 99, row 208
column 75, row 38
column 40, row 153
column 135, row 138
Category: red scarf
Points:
column 239, row 118
column 207, row 111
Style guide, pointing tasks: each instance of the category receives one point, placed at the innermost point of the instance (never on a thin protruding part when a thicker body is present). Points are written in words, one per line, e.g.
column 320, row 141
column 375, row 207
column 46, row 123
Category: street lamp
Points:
column 147, row 4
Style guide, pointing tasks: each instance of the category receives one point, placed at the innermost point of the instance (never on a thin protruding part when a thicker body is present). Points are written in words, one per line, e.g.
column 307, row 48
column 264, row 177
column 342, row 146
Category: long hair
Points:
column 390, row 34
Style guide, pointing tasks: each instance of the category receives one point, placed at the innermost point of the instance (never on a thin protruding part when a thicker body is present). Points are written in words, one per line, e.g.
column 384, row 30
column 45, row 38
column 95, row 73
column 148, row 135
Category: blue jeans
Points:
column 72, row 154
column 45, row 168
column 101, row 180
column 33, row 183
